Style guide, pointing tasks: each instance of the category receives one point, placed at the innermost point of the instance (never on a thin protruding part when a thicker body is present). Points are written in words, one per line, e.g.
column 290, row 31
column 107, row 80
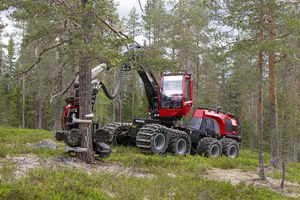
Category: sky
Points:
column 124, row 8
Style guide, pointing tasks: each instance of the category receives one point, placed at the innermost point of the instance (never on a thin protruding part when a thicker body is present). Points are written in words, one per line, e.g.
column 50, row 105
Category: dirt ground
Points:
column 30, row 161
column 236, row 176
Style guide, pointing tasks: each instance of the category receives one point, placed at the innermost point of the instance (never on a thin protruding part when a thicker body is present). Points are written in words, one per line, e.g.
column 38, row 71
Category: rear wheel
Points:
column 230, row 148
column 179, row 145
column 113, row 133
column 152, row 138
column 210, row 147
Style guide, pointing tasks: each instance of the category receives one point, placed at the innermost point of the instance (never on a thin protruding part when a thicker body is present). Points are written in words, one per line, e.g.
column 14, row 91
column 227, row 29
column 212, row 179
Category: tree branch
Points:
column 141, row 6
column 39, row 58
column 282, row 36
column 64, row 90
column 118, row 32
column 283, row 57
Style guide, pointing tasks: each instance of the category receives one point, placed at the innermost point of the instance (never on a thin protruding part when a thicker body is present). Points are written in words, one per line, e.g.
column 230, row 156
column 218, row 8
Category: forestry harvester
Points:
column 210, row 131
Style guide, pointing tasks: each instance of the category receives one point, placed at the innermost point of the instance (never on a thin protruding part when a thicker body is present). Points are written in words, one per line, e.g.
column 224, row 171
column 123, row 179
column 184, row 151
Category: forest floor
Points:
column 128, row 174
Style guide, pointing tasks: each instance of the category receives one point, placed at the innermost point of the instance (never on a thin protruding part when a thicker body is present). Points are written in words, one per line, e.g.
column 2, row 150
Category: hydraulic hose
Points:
column 117, row 85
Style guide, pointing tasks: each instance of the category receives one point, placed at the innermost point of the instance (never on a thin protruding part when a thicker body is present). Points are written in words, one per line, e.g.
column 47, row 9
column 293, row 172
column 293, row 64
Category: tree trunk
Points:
column 23, row 88
column 242, row 117
column 297, row 131
column 252, row 125
column 283, row 149
column 260, row 97
column 181, row 35
column 23, row 98
column 40, row 114
column 215, row 92
column 132, row 94
column 58, row 105
column 1, row 61
column 291, row 122
column 275, row 160
column 40, row 96
column 283, row 170
column 85, row 104
column 197, row 81
column 223, row 89
column 85, row 96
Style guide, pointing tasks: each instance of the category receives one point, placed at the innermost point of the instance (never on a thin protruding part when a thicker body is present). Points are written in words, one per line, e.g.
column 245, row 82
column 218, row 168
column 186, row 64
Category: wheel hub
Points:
column 181, row 146
column 232, row 152
column 215, row 150
column 159, row 141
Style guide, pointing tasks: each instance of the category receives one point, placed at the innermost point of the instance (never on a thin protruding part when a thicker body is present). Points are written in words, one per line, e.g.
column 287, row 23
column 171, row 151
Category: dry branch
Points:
column 64, row 90
column 39, row 58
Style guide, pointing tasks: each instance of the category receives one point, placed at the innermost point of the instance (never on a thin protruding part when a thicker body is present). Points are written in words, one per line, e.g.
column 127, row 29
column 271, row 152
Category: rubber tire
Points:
column 116, row 139
column 173, row 146
column 165, row 146
column 206, row 145
column 227, row 145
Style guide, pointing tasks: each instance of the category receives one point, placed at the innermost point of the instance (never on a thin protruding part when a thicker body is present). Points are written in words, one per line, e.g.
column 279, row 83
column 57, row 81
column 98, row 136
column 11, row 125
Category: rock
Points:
column 72, row 164
column 29, row 144
column 46, row 143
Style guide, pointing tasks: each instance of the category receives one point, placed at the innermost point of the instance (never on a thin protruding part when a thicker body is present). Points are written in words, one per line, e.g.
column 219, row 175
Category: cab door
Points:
column 187, row 94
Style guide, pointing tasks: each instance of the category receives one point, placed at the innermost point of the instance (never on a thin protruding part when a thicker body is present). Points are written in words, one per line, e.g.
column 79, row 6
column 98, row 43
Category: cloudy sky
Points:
column 124, row 8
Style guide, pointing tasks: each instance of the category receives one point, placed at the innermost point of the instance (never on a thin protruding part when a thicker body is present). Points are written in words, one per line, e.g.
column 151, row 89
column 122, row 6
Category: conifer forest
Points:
column 241, row 56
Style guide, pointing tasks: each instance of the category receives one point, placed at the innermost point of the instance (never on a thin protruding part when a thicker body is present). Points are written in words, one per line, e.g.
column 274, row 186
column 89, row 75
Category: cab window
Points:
column 187, row 90
column 194, row 123
column 228, row 125
column 217, row 127
column 171, row 92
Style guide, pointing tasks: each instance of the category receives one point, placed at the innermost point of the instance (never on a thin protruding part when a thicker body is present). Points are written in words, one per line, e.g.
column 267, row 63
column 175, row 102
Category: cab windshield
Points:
column 171, row 91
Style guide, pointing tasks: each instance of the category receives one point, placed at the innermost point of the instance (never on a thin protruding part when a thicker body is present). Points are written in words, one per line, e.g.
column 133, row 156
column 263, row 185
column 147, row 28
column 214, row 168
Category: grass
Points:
column 14, row 142
column 174, row 177
column 292, row 173
column 131, row 157
column 46, row 183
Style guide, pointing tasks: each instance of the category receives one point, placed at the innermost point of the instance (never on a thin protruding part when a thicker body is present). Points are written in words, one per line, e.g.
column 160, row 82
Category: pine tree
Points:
column 133, row 27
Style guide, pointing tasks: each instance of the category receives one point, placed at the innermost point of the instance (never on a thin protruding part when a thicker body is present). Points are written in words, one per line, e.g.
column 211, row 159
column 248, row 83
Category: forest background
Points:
column 244, row 56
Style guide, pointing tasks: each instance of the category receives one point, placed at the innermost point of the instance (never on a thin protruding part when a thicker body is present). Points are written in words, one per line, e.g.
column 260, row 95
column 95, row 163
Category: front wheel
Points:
column 210, row 147
column 230, row 148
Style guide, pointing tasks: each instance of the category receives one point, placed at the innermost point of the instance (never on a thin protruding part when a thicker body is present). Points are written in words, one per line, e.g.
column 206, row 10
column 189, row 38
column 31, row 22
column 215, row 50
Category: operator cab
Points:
column 176, row 94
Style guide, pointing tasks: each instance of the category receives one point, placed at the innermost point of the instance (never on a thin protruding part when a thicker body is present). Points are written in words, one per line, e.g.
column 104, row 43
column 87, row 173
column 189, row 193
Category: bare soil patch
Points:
column 31, row 161
column 236, row 176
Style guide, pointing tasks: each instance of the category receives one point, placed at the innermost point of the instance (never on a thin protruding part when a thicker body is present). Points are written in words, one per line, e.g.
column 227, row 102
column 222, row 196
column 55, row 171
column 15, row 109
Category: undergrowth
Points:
column 46, row 183
column 175, row 177
column 22, row 141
